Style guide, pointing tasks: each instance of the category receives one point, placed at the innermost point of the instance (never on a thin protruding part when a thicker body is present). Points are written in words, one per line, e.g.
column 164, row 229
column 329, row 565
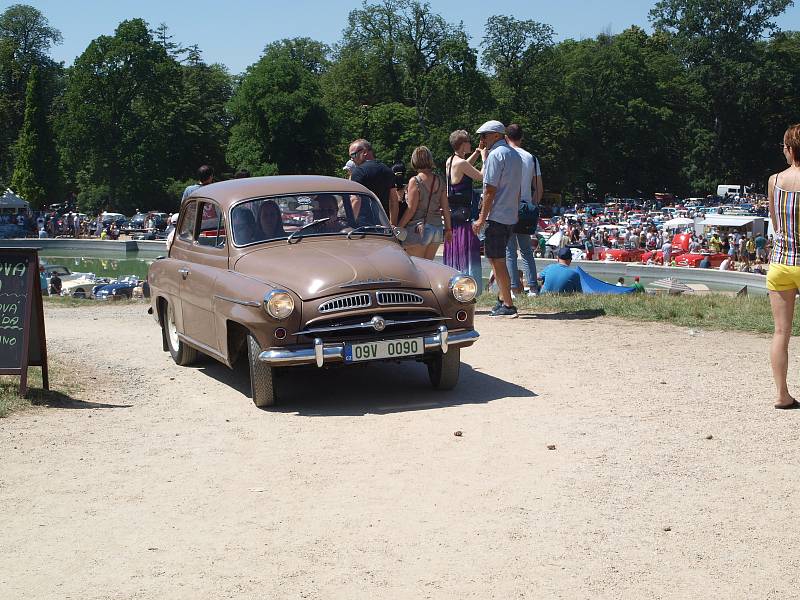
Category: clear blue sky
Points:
column 234, row 32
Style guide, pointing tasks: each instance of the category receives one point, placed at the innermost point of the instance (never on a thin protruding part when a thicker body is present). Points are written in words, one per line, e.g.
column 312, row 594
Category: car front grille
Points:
column 348, row 302
column 350, row 328
column 389, row 298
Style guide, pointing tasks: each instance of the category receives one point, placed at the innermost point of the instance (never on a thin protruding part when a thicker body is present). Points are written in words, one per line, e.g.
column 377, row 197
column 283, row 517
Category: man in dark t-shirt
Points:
column 374, row 175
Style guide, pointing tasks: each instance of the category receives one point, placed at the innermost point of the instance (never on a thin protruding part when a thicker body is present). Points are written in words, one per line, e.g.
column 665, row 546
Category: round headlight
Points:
column 464, row 288
column 279, row 304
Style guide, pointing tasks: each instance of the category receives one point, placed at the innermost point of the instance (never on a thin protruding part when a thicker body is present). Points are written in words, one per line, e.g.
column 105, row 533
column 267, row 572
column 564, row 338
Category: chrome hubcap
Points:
column 172, row 330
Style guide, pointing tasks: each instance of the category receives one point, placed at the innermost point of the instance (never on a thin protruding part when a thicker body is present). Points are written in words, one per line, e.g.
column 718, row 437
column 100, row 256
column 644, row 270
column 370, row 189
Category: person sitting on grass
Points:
column 559, row 278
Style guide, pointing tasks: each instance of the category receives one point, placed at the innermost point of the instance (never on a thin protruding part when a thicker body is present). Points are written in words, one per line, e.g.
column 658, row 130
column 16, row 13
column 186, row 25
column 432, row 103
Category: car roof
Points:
column 231, row 191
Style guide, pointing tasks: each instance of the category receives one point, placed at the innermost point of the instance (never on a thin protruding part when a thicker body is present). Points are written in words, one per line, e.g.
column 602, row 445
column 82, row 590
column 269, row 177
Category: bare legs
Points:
column 782, row 312
column 503, row 279
column 416, row 250
column 430, row 251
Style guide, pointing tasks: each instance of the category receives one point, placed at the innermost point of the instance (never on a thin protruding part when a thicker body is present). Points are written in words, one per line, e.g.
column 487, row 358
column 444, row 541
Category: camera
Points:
column 399, row 171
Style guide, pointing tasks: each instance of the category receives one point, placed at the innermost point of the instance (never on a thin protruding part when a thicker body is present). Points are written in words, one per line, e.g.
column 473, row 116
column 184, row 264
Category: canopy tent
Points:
column 592, row 285
column 727, row 221
column 678, row 222
column 10, row 200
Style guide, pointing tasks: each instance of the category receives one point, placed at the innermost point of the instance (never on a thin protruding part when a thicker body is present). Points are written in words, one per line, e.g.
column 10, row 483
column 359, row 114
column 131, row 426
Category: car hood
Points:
column 317, row 268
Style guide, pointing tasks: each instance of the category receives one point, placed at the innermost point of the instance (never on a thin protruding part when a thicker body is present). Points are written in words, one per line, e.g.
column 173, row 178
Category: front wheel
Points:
column 443, row 369
column 262, row 377
column 181, row 353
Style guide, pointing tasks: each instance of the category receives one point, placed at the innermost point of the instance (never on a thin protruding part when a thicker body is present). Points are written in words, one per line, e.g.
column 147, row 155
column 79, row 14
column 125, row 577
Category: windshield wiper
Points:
column 365, row 228
column 306, row 226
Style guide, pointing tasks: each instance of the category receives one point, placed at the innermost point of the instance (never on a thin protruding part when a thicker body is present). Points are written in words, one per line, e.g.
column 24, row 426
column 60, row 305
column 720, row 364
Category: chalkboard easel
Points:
column 22, row 337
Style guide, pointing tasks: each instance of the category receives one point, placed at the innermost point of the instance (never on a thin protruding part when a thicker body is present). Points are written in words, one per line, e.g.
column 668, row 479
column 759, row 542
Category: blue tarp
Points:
column 592, row 285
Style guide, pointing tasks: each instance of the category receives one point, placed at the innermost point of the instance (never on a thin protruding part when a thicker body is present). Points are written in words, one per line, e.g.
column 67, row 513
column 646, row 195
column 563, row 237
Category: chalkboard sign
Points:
column 22, row 338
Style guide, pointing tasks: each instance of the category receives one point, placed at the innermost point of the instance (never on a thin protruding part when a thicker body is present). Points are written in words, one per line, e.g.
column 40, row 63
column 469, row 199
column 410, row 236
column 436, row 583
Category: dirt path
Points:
column 175, row 486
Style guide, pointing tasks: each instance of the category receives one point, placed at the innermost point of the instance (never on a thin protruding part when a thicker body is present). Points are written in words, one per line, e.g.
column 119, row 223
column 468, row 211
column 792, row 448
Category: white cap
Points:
column 492, row 127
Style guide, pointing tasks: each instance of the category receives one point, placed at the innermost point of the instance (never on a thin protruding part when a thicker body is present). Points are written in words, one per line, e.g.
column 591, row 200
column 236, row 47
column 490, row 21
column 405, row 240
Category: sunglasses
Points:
column 356, row 153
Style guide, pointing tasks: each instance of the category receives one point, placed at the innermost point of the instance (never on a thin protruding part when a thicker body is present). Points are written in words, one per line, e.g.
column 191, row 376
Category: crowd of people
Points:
column 430, row 210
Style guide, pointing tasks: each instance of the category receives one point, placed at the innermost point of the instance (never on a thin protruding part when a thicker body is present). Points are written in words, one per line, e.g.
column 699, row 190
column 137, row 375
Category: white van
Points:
column 731, row 190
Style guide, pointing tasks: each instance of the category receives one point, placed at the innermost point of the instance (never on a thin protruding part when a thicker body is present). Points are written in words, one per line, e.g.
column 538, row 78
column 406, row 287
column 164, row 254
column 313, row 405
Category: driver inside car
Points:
column 328, row 208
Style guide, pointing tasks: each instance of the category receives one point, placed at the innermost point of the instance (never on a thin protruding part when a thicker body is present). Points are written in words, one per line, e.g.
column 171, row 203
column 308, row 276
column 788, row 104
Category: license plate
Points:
column 383, row 349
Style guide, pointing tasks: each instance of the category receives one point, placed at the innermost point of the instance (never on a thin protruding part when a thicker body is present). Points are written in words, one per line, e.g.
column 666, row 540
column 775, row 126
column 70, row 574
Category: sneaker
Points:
column 497, row 305
column 533, row 294
column 509, row 312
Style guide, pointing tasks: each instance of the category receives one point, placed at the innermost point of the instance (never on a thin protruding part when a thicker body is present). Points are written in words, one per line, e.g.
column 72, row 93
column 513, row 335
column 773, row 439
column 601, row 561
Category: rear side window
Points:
column 187, row 225
column 212, row 229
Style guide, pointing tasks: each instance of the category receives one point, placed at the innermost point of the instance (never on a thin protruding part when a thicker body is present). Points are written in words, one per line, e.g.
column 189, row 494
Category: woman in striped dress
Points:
column 783, row 277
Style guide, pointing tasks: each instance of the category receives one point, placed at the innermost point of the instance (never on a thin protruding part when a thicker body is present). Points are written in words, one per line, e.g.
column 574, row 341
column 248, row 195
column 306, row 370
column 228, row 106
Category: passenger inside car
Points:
column 270, row 221
column 244, row 226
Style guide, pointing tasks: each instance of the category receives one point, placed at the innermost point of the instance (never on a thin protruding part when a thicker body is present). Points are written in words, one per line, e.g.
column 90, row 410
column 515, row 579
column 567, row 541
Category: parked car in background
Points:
column 116, row 290
column 293, row 271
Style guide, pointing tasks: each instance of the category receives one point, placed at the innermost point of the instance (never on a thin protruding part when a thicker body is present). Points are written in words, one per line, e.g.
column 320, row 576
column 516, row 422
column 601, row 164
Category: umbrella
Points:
column 672, row 285
column 678, row 222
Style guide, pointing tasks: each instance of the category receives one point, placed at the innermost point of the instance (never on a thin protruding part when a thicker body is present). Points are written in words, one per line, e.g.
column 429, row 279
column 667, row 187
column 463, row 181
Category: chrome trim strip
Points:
column 368, row 325
column 322, row 353
column 236, row 301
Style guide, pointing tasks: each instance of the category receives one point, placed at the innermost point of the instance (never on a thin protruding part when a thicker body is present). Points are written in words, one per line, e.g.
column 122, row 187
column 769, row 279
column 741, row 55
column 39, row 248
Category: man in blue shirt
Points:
column 502, row 181
column 559, row 278
column 205, row 175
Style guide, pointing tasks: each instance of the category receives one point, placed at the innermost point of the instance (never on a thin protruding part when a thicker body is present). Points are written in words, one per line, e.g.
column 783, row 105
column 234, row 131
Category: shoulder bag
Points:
column 528, row 217
column 460, row 202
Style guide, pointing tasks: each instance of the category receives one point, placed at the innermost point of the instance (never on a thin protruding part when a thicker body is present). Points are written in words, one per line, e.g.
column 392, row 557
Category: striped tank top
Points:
column 786, row 208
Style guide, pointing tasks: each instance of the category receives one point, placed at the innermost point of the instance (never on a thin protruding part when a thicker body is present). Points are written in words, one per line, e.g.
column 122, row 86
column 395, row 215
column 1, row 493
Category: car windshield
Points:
column 276, row 218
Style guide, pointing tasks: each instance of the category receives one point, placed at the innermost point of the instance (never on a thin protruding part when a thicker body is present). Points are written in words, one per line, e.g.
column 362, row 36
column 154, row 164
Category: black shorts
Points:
column 496, row 240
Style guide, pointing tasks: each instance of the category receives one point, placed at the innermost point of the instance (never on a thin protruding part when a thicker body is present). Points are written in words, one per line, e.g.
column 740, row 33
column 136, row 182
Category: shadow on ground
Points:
column 378, row 388
column 55, row 399
column 572, row 315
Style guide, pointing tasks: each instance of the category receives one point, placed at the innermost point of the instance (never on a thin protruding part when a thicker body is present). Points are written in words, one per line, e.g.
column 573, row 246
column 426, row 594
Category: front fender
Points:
column 239, row 299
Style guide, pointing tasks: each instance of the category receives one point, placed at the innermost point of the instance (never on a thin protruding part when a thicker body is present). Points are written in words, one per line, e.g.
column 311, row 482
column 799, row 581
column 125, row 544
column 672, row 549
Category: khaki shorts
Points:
column 781, row 278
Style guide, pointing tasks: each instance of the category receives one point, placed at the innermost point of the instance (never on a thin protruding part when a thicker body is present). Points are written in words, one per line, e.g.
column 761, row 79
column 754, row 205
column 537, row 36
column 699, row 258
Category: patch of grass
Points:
column 62, row 385
column 70, row 302
column 707, row 311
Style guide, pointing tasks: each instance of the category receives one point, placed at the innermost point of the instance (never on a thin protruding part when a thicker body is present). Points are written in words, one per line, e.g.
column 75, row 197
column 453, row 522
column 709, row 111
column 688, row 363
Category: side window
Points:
column 212, row 232
column 187, row 225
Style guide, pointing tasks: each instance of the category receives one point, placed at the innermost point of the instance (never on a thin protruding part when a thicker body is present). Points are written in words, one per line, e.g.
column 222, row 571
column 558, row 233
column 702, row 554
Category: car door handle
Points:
column 184, row 272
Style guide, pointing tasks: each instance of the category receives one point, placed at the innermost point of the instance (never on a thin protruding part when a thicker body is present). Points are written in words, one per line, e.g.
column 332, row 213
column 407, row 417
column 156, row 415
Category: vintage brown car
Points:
column 304, row 270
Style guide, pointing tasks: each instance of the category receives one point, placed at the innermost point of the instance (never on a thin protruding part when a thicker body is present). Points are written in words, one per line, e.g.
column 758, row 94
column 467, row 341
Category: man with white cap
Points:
column 502, row 180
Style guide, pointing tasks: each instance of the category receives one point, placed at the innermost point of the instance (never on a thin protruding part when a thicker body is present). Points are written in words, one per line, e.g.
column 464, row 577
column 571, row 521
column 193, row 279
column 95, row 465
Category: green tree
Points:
column 718, row 42
column 36, row 170
column 121, row 125
column 25, row 39
column 279, row 119
column 511, row 49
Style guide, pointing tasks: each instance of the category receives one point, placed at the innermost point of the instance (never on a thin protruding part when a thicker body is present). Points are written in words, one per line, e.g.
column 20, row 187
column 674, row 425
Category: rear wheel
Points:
column 181, row 353
column 443, row 369
column 262, row 376
column 79, row 293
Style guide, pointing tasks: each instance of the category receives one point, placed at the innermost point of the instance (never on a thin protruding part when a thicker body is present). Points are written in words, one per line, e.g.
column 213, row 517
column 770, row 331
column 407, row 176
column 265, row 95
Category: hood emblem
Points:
column 378, row 323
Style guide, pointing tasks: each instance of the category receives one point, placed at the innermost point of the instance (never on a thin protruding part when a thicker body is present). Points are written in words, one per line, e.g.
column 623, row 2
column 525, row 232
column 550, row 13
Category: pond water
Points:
column 132, row 263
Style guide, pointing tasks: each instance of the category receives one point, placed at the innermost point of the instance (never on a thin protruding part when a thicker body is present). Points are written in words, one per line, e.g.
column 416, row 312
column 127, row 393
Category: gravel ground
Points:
column 598, row 459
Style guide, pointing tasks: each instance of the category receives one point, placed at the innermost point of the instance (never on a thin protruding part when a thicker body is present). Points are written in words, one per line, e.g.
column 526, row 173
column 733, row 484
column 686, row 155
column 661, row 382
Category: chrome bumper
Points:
column 321, row 353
